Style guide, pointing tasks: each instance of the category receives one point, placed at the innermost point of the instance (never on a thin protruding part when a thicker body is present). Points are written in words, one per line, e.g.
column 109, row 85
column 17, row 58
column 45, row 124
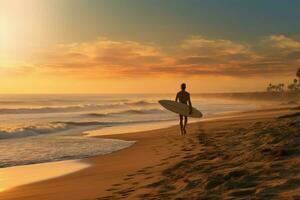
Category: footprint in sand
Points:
column 148, row 177
column 185, row 149
column 141, row 170
column 105, row 198
column 111, row 189
column 117, row 184
column 243, row 193
column 163, row 163
column 126, row 192
column 128, row 178
column 145, row 168
column 143, row 196
column 147, row 173
column 173, row 156
column 188, row 156
column 130, row 175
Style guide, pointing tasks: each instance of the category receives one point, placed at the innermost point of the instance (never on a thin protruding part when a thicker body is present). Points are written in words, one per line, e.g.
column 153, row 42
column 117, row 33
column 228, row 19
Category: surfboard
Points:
column 180, row 108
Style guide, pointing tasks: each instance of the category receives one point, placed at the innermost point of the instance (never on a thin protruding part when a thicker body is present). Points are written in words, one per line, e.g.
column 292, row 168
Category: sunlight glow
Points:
column 48, row 46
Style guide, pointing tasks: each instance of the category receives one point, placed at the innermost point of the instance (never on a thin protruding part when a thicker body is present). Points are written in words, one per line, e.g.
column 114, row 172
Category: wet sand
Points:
column 251, row 155
column 11, row 177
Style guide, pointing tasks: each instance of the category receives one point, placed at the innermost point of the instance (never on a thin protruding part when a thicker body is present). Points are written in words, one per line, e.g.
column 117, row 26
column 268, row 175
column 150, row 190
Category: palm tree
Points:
column 281, row 87
column 295, row 85
column 269, row 88
column 295, row 81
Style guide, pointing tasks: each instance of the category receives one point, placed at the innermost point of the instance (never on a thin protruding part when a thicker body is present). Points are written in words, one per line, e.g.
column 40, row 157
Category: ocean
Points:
column 45, row 128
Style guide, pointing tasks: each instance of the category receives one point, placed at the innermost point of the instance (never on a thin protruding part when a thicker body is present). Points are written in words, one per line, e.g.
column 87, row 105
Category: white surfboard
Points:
column 180, row 108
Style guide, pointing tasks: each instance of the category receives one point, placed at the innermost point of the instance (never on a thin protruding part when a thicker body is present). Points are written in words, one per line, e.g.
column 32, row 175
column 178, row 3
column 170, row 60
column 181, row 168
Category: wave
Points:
column 45, row 149
column 86, row 107
column 146, row 111
column 130, row 111
column 76, row 108
column 105, row 124
column 31, row 130
column 139, row 103
column 52, row 127
column 96, row 115
column 11, row 102
column 59, row 126
column 90, row 123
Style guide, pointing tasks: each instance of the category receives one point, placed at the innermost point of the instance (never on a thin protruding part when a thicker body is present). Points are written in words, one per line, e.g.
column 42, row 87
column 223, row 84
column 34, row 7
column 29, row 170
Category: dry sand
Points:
column 253, row 155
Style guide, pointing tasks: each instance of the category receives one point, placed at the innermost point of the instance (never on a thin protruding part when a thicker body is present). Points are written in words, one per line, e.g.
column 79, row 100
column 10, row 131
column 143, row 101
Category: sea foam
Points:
column 54, row 148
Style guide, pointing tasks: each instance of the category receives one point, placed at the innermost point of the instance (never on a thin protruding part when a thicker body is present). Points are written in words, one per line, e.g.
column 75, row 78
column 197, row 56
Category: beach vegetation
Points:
column 292, row 87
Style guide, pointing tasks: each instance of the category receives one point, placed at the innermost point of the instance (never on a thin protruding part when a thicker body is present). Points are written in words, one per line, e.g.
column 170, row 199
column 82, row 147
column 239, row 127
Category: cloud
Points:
column 282, row 42
column 199, row 45
column 279, row 56
column 195, row 56
column 212, row 56
column 102, row 56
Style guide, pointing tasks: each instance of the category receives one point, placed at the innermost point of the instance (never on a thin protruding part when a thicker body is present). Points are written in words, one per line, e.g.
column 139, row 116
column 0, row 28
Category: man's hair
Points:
column 183, row 86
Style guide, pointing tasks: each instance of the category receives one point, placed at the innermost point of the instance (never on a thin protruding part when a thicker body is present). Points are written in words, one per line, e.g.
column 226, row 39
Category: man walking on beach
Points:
column 184, row 97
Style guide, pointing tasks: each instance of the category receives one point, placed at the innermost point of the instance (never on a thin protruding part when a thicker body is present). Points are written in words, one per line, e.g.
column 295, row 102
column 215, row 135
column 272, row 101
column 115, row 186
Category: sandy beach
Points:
column 249, row 155
column 149, row 100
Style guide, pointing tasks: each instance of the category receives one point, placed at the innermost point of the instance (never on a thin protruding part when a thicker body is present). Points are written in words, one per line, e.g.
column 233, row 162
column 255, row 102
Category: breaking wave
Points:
column 55, row 127
column 31, row 130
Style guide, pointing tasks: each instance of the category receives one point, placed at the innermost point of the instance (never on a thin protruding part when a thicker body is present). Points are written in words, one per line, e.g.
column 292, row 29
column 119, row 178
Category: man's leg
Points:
column 185, row 123
column 181, row 124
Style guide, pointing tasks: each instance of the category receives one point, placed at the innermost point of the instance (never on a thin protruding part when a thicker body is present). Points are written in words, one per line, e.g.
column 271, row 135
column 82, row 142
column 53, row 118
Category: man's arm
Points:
column 176, row 98
column 190, row 105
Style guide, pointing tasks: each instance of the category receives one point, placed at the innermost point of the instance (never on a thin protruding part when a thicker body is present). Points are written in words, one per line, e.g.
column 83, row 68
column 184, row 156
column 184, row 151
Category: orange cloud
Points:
column 102, row 56
column 195, row 56
column 202, row 56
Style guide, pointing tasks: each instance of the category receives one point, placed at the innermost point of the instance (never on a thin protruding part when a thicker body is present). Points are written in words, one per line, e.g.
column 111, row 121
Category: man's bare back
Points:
column 183, row 97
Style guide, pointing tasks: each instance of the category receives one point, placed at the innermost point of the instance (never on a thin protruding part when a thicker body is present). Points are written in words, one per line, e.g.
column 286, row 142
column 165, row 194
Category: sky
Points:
column 147, row 46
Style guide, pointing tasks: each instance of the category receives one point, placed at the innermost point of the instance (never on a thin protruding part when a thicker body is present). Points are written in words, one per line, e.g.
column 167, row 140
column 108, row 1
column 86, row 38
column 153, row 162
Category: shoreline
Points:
column 152, row 142
column 70, row 165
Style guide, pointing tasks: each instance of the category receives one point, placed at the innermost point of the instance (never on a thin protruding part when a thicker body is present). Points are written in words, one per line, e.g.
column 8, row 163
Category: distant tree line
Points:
column 293, row 87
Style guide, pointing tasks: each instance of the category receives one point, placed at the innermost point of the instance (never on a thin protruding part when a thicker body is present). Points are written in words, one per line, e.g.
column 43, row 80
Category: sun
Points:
column 19, row 25
column 6, row 35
